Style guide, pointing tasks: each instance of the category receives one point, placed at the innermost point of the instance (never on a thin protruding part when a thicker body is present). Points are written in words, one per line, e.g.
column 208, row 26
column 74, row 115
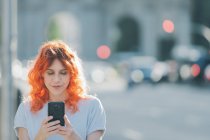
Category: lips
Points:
column 56, row 86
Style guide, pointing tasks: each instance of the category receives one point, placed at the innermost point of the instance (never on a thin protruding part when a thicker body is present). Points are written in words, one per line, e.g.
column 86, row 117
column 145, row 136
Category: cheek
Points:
column 67, row 80
column 46, row 79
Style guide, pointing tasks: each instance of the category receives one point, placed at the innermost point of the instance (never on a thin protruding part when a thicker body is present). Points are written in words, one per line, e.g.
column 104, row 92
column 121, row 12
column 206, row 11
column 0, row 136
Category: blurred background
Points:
column 148, row 61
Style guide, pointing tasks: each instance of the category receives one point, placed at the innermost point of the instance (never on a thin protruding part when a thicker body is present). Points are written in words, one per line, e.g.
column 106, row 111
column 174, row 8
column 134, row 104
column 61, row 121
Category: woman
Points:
column 57, row 76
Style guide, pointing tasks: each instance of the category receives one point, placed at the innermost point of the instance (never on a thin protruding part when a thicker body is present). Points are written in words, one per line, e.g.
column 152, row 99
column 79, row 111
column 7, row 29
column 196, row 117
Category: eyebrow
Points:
column 59, row 70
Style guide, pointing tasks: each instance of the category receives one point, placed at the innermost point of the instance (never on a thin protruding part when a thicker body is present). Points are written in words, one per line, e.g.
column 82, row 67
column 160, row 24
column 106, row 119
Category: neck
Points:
column 57, row 98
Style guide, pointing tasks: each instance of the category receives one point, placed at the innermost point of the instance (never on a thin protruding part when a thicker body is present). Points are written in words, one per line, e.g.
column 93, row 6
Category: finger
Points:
column 62, row 132
column 66, row 132
column 53, row 132
column 67, row 122
column 47, row 119
column 62, row 128
column 50, row 124
column 53, row 128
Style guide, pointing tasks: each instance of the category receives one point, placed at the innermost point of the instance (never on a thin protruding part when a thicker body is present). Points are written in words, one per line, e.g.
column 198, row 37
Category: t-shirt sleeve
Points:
column 96, row 117
column 20, row 118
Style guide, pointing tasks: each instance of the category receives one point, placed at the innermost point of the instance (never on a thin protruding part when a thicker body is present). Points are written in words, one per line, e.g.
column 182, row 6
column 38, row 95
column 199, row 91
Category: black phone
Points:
column 57, row 110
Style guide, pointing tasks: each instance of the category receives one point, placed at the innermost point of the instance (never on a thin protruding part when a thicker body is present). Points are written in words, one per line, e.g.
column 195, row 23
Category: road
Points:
column 156, row 112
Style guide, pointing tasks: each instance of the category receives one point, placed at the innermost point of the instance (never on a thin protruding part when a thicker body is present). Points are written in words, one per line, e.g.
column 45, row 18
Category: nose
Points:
column 56, row 78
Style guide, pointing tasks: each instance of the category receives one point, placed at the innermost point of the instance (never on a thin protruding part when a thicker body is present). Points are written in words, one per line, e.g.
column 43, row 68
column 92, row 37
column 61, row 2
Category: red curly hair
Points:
column 49, row 51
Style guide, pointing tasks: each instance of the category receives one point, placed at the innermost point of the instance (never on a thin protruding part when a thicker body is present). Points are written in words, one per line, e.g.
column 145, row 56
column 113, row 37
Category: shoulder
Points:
column 21, row 113
column 24, row 105
column 91, row 100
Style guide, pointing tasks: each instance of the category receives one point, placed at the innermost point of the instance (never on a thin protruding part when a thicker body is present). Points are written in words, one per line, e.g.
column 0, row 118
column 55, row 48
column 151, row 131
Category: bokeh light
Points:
column 103, row 52
column 168, row 26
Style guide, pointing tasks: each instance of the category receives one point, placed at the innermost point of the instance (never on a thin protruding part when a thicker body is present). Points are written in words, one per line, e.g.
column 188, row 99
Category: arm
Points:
column 23, row 134
column 96, row 135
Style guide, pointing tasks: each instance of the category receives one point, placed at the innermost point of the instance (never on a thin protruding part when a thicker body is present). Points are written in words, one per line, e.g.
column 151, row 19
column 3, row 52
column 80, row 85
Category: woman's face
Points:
column 56, row 79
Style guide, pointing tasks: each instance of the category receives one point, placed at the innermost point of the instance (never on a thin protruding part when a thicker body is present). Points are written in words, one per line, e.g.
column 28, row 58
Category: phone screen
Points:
column 57, row 110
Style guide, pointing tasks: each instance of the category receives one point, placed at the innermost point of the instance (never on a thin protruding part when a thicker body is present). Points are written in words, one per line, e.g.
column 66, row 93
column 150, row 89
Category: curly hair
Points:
column 49, row 51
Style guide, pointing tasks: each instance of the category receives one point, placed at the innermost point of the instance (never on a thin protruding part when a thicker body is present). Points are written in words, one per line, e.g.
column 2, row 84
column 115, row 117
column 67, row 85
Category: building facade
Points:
column 123, row 25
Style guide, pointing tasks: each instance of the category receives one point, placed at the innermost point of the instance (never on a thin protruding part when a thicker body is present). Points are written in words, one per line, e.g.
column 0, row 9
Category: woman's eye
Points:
column 50, row 73
column 63, row 72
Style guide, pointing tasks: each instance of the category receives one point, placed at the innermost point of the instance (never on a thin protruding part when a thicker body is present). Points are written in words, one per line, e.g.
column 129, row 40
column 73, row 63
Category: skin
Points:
column 56, row 79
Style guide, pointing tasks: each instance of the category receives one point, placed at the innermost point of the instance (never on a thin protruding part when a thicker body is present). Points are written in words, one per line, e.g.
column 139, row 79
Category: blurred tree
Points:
column 53, row 31
column 129, row 38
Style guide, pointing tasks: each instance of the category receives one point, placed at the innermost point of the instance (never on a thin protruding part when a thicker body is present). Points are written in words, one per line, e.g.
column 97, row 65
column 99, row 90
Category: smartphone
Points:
column 57, row 110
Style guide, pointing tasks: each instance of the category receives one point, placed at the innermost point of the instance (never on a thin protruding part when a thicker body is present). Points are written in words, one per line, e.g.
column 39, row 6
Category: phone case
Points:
column 56, row 109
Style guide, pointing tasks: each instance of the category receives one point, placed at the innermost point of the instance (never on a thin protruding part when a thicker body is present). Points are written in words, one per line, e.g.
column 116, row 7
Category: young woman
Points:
column 57, row 76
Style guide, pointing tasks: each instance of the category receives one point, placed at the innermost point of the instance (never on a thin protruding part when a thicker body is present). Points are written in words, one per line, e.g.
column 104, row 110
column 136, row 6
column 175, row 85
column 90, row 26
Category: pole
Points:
column 7, row 92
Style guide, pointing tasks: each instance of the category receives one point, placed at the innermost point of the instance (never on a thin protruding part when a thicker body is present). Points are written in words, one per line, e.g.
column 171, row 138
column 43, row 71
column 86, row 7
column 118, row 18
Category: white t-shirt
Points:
column 89, row 118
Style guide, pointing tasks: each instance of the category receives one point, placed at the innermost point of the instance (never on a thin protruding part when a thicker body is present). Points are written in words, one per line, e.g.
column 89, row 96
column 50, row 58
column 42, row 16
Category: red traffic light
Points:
column 103, row 52
column 168, row 26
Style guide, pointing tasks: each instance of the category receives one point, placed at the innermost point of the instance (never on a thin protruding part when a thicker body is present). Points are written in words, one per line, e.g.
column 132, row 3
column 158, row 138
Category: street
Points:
column 156, row 112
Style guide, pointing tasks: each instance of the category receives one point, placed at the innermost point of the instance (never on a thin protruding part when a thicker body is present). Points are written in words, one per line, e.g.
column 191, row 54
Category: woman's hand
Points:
column 67, row 131
column 48, row 129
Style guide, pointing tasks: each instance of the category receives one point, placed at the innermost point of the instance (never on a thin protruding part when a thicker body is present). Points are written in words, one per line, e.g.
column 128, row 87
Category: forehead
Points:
column 56, row 64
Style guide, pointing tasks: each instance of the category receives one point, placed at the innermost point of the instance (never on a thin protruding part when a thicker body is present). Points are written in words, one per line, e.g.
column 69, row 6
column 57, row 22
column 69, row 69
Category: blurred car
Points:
column 207, row 73
column 192, row 63
column 144, row 69
column 200, row 68
column 195, row 71
column 99, row 71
